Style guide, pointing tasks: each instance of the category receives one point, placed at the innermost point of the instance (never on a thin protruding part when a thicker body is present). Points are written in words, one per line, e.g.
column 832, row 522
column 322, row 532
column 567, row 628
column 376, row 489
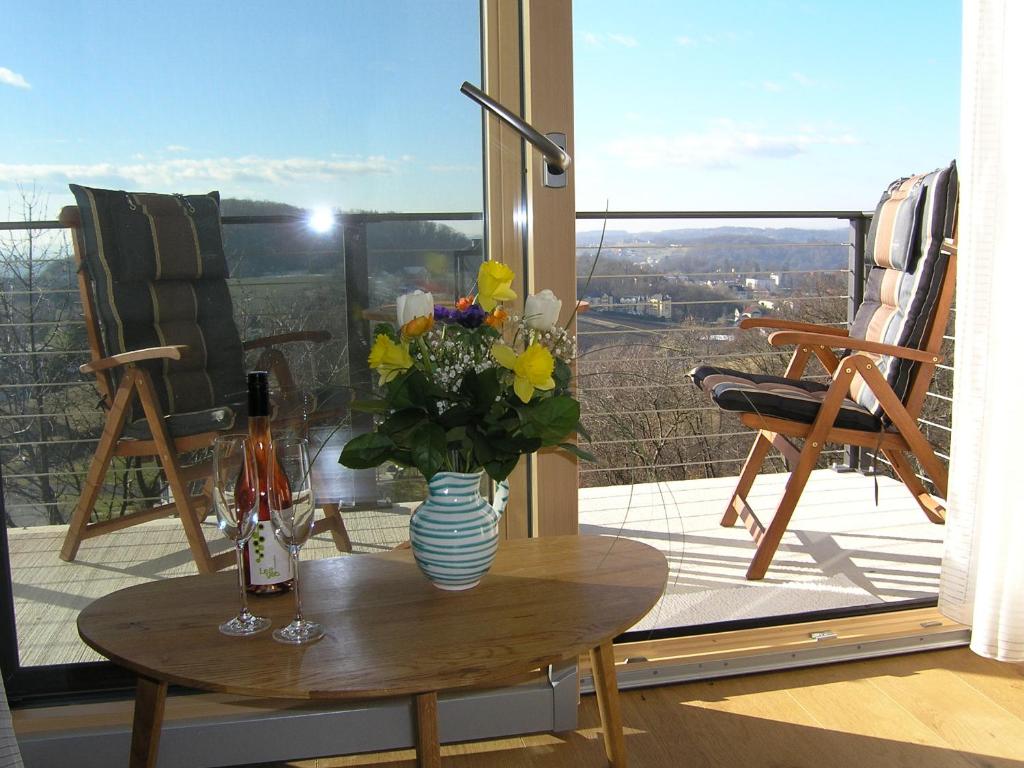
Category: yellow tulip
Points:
column 388, row 358
column 533, row 368
column 494, row 284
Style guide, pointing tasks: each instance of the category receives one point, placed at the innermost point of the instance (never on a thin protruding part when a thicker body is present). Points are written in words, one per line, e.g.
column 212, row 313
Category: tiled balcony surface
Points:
column 841, row 550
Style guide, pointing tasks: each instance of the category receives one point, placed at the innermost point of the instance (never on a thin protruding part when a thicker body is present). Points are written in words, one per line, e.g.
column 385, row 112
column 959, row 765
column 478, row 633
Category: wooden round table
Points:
column 389, row 632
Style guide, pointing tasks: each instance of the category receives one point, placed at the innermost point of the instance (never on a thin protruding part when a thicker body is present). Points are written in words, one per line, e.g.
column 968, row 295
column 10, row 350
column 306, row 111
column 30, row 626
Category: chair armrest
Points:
column 787, row 338
column 135, row 356
column 283, row 338
column 791, row 325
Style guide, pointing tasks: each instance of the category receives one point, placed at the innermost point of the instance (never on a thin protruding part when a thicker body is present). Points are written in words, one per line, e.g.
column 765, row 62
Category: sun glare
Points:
column 321, row 220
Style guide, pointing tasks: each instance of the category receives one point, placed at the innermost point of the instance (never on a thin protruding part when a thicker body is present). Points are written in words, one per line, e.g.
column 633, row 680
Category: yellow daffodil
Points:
column 533, row 368
column 494, row 284
column 389, row 359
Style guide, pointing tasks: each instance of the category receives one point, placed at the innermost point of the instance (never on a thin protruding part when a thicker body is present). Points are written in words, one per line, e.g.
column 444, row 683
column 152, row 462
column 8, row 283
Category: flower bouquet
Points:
column 470, row 388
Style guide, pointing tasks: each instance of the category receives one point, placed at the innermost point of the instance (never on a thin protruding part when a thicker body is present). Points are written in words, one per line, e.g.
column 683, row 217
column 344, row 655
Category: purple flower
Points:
column 472, row 317
column 468, row 318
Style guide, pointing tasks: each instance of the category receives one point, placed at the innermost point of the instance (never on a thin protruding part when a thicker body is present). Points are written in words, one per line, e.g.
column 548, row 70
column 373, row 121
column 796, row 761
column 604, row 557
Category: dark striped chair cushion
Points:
column 159, row 273
column 793, row 399
column 907, row 269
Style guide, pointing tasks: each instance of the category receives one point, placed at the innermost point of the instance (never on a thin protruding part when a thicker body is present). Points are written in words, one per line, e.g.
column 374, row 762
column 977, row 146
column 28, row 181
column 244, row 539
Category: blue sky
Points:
column 761, row 104
column 683, row 105
column 349, row 104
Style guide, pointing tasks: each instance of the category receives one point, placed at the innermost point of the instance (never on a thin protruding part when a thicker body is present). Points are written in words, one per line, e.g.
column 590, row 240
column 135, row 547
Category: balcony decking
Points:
column 841, row 550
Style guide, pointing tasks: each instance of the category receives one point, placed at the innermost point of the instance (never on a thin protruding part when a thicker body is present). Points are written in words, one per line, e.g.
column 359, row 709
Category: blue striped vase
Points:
column 454, row 533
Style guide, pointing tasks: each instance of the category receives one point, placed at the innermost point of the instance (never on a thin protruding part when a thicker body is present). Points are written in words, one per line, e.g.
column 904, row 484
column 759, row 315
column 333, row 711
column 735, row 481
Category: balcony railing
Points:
column 657, row 309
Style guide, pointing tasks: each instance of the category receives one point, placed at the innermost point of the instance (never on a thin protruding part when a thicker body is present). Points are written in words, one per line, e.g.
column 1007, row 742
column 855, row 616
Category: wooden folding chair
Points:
column 166, row 353
column 878, row 384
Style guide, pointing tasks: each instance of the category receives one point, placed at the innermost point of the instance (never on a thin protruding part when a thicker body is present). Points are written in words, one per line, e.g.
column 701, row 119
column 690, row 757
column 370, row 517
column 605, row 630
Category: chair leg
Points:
column 768, row 542
column 332, row 521
column 97, row 470
column 755, row 459
column 932, row 509
column 771, row 536
column 179, row 488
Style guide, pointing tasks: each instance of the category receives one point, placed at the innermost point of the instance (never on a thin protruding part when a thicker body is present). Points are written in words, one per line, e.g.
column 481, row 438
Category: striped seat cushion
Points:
column 907, row 270
column 793, row 399
column 158, row 271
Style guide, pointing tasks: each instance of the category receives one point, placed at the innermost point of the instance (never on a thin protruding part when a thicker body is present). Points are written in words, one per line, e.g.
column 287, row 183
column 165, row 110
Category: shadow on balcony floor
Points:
column 841, row 550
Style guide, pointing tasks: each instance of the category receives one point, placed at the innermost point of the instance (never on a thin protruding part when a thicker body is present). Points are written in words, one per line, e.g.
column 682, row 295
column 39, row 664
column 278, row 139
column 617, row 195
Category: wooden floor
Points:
column 941, row 709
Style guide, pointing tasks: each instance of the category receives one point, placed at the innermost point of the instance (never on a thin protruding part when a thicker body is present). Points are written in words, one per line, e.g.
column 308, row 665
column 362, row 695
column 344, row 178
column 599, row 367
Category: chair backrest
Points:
column 157, row 275
column 909, row 286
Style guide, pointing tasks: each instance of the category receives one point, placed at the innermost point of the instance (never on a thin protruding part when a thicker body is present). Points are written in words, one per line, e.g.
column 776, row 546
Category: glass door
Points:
column 350, row 169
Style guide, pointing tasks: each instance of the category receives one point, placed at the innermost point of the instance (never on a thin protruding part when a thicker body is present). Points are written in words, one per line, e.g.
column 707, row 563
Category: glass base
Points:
column 299, row 632
column 240, row 626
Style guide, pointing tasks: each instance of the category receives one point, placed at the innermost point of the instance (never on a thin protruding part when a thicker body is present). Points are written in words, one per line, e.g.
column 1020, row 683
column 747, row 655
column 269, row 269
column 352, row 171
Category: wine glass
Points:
column 290, row 496
column 235, row 497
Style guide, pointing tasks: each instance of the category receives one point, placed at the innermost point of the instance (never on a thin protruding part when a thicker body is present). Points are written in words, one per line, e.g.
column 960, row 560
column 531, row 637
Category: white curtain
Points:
column 983, row 570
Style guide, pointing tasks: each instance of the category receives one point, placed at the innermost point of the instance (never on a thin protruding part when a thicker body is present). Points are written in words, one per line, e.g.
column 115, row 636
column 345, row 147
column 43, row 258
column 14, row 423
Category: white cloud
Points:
column 175, row 173
column 684, row 40
column 803, row 79
column 725, row 145
column 591, row 39
column 175, row 148
column 771, row 86
column 627, row 41
column 7, row 77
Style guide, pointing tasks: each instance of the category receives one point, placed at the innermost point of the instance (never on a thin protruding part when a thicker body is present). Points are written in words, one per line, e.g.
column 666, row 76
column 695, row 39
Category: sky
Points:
column 760, row 104
column 734, row 104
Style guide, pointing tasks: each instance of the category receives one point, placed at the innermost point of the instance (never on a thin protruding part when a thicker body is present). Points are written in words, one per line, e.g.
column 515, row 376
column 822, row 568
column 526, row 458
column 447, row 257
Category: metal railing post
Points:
column 855, row 292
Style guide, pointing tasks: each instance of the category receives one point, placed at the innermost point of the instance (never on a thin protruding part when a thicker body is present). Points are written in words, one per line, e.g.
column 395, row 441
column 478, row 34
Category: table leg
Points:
column 602, row 663
column 150, row 697
column 428, row 747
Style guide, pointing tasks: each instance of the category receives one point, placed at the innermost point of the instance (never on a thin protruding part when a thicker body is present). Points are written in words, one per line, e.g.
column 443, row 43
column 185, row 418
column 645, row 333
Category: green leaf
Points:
column 369, row 406
column 366, row 451
column 429, row 449
column 482, row 445
column 383, row 329
column 413, row 390
column 456, row 416
column 578, row 452
column 501, row 468
column 551, row 420
column 403, row 420
column 562, row 374
column 481, row 389
column 582, row 432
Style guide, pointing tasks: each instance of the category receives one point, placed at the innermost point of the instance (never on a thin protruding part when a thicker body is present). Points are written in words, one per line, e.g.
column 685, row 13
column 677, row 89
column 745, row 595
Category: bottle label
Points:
column 268, row 559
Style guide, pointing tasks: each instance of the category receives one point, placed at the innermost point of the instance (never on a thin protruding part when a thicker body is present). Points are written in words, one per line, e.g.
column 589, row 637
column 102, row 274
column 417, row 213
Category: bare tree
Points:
column 38, row 424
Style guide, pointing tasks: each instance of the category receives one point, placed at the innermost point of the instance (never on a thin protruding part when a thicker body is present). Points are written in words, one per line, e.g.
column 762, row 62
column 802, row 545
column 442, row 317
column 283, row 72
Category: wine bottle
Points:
column 266, row 561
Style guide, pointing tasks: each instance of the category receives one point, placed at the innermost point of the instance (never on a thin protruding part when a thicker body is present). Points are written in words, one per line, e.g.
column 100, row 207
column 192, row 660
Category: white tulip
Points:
column 413, row 305
column 541, row 310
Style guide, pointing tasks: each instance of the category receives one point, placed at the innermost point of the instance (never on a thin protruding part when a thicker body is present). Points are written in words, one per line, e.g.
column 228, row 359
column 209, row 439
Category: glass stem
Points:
column 244, row 614
column 295, row 576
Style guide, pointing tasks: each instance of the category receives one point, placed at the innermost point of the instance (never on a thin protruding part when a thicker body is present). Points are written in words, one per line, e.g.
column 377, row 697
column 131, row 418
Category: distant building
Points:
column 751, row 310
column 660, row 306
column 759, row 283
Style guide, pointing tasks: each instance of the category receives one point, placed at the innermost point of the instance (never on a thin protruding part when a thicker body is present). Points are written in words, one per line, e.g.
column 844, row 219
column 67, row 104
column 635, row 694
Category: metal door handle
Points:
column 558, row 159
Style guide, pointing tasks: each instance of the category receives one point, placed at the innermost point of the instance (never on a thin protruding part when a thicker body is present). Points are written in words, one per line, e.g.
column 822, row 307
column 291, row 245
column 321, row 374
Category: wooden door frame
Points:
column 527, row 58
